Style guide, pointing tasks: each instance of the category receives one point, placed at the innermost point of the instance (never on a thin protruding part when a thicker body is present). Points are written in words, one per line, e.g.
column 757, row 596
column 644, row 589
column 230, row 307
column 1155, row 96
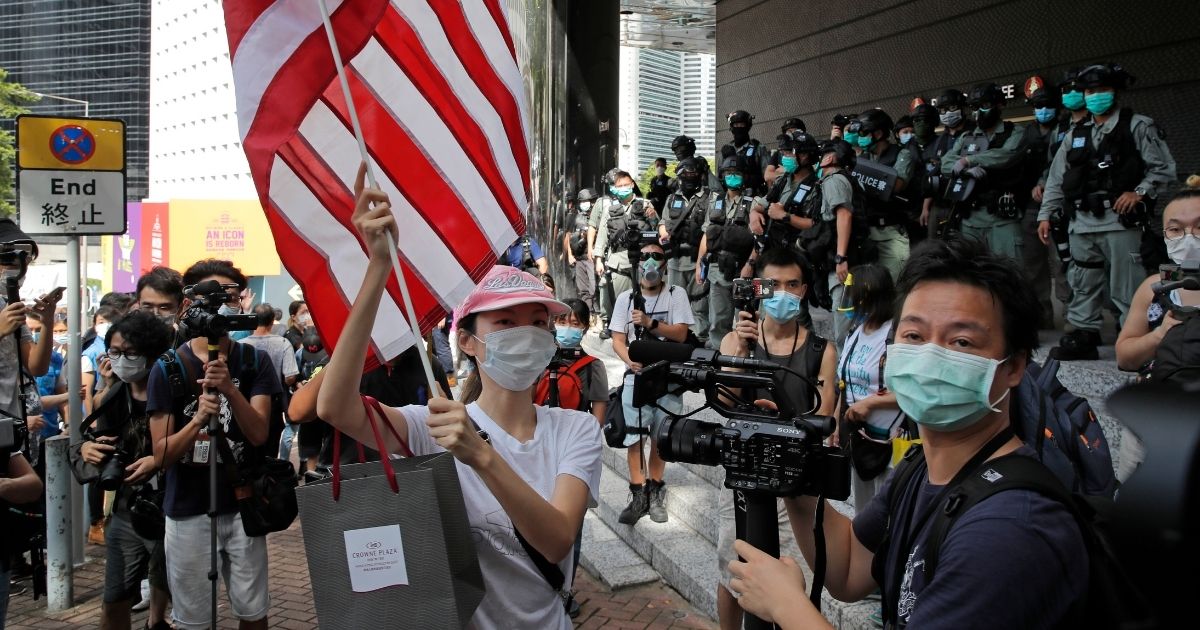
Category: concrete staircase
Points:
column 682, row 551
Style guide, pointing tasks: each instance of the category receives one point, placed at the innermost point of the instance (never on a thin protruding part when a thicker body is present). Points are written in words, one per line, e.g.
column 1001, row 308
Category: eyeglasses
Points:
column 1176, row 232
column 164, row 309
column 654, row 256
column 131, row 355
column 942, row 109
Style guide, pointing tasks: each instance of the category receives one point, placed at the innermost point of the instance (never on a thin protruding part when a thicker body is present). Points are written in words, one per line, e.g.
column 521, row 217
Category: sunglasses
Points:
column 654, row 256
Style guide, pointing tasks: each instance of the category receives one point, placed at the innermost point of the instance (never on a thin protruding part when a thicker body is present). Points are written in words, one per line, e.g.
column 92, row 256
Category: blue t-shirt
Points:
column 1014, row 560
column 187, row 483
column 46, row 385
column 515, row 256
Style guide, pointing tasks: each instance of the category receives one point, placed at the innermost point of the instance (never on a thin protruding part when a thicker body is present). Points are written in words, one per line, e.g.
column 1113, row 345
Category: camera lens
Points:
column 112, row 474
column 689, row 441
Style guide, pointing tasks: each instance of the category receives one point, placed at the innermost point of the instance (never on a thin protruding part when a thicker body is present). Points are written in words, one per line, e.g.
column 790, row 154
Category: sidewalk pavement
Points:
column 649, row 606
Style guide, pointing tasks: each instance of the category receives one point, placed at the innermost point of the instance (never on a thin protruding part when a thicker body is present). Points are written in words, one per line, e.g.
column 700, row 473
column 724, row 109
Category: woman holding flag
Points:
column 537, row 469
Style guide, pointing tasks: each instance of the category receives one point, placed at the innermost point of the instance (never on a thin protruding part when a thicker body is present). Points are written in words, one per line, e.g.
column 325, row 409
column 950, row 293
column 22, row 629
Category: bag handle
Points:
column 384, row 458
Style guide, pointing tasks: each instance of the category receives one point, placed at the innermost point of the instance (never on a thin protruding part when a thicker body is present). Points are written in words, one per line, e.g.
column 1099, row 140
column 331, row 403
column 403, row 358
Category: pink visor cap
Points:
column 505, row 286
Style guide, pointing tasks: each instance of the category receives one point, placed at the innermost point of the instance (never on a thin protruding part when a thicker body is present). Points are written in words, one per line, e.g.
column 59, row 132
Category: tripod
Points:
column 214, row 433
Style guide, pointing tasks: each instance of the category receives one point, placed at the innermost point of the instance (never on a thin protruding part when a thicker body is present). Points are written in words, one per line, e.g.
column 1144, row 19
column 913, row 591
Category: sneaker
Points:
column 145, row 603
column 658, row 500
column 15, row 588
column 1077, row 345
column 96, row 533
column 639, row 506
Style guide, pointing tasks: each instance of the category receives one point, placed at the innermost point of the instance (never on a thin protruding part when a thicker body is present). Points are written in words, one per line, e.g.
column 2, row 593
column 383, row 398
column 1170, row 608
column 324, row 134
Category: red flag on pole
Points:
column 440, row 98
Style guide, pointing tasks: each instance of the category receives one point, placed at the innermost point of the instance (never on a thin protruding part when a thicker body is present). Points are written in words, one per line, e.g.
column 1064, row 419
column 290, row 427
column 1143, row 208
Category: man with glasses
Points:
column 1105, row 178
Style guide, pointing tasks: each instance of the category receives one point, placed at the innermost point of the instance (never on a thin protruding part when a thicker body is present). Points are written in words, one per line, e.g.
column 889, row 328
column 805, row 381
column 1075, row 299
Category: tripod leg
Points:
column 762, row 531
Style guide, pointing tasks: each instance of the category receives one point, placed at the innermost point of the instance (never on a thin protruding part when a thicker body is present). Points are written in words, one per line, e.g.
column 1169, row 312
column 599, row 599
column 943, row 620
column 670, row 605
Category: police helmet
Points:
column 1046, row 98
column 952, row 98
column 1110, row 75
column 1068, row 81
column 843, row 152
column 986, row 94
column 793, row 123
column 587, row 194
column 926, row 112
column 875, row 120
column 904, row 122
column 610, row 177
column 840, row 121
column 683, row 143
column 687, row 167
column 805, row 144
column 741, row 117
column 730, row 160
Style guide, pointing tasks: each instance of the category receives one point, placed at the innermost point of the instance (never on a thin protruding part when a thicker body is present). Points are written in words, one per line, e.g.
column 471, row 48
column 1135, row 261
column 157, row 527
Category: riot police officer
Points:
column 751, row 152
column 575, row 244
column 1040, row 132
column 1106, row 178
column 951, row 106
column 985, row 169
column 684, row 147
column 840, row 240
column 773, row 164
column 888, row 208
column 608, row 228
column 726, row 245
column 924, row 119
column 682, row 227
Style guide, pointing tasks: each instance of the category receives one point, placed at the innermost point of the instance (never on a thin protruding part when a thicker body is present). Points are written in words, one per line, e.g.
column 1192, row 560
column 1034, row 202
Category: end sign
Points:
column 71, row 175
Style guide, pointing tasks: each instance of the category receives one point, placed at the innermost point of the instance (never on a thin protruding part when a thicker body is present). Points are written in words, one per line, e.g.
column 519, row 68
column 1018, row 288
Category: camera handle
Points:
column 552, row 385
column 214, row 433
column 759, row 526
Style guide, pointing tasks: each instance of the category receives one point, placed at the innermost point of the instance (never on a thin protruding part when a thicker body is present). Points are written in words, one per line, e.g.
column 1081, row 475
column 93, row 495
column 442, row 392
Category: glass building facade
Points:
column 92, row 50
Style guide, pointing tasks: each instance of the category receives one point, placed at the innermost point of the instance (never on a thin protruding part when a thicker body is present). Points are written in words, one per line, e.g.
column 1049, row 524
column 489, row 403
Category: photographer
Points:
column 967, row 326
column 118, row 444
column 779, row 337
column 665, row 313
column 541, row 467
column 179, row 424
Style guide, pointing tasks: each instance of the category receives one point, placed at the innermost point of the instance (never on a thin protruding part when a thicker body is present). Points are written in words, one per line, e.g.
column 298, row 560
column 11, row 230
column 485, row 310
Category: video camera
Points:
column 1181, row 276
column 204, row 319
column 778, row 453
column 747, row 293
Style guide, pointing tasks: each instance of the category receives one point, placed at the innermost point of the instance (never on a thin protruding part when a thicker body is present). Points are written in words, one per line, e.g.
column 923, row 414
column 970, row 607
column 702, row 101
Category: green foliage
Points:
column 13, row 99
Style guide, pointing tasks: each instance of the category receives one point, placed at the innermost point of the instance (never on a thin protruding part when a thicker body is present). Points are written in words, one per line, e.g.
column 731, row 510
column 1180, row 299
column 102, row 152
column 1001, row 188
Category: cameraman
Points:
column 665, row 313
column 609, row 223
column 777, row 337
column 121, row 430
column 179, row 424
column 1013, row 560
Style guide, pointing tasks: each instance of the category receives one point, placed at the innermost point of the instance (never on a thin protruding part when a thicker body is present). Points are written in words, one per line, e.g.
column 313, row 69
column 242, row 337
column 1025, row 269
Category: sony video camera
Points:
column 204, row 319
column 779, row 453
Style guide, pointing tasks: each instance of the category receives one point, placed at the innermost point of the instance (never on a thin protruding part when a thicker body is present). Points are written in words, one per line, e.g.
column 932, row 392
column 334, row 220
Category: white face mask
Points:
column 516, row 357
column 130, row 370
column 1186, row 248
column 102, row 329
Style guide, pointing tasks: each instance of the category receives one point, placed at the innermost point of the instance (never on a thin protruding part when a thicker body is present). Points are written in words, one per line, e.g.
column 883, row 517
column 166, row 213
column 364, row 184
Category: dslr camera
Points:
column 779, row 453
column 204, row 319
column 112, row 471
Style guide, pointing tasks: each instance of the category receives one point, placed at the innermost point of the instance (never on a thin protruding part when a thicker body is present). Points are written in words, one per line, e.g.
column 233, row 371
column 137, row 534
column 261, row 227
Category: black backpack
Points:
column 1177, row 359
column 1112, row 600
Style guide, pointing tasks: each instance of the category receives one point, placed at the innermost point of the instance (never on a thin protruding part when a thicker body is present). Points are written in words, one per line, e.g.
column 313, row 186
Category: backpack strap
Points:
column 814, row 357
column 580, row 371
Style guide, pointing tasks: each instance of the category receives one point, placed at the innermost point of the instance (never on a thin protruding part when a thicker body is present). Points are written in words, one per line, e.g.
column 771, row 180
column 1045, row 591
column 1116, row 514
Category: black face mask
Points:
column 922, row 129
column 740, row 134
column 988, row 119
column 689, row 185
column 683, row 154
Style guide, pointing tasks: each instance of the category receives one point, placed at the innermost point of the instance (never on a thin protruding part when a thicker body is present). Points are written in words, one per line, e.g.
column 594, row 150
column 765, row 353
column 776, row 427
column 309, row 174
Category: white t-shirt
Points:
column 670, row 306
column 565, row 442
column 860, row 370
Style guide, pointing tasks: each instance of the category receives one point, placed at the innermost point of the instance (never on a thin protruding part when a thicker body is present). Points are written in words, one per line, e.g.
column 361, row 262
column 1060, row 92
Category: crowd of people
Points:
column 931, row 252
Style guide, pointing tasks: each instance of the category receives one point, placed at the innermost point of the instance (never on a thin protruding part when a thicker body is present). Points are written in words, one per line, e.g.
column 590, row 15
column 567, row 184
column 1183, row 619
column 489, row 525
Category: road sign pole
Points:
column 75, row 523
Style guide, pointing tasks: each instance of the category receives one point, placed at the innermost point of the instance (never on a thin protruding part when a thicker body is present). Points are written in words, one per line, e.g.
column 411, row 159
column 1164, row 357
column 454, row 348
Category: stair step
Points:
column 606, row 556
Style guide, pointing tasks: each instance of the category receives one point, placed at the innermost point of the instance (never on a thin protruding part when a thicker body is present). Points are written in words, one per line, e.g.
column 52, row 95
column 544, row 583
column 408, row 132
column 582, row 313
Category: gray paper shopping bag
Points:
column 391, row 549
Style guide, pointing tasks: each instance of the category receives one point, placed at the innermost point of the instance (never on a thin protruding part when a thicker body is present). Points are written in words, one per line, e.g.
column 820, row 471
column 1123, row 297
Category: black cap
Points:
column 1104, row 75
column 11, row 234
column 875, row 120
column 846, row 158
column 587, row 194
column 793, row 123
column 683, row 141
column 741, row 116
column 952, row 97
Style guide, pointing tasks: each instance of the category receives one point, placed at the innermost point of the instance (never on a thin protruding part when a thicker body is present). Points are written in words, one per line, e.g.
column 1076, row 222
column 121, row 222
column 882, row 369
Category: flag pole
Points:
column 362, row 149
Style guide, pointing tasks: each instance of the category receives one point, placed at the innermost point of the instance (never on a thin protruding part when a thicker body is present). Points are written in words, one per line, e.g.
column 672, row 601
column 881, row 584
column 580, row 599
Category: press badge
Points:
column 801, row 192
column 1077, row 143
column 201, row 448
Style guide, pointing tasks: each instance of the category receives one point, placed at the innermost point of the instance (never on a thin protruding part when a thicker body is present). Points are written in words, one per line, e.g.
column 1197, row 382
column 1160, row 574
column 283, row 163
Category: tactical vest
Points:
column 685, row 221
column 718, row 221
column 894, row 211
column 938, row 186
column 752, row 154
column 1096, row 175
column 621, row 218
column 797, row 203
column 1035, row 152
column 578, row 225
column 1002, row 180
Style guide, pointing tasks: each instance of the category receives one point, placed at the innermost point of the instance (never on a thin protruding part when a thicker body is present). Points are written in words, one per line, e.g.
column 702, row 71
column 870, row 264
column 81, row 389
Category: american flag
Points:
column 440, row 98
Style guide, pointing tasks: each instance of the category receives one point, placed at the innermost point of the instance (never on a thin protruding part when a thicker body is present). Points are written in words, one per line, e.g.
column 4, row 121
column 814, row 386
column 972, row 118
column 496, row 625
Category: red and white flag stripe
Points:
column 440, row 98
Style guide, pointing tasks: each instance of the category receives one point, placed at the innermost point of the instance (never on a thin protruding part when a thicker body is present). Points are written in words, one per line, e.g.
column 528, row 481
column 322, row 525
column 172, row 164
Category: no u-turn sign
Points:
column 71, row 175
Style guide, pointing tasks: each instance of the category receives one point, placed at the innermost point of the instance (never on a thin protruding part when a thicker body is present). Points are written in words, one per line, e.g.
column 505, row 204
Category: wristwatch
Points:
column 839, row 259
column 653, row 324
column 1141, row 191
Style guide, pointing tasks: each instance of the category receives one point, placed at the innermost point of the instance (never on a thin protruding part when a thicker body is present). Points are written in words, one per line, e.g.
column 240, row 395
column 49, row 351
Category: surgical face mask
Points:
column 1098, row 103
column 60, row 339
column 951, row 119
column 622, row 192
column 130, row 370
column 1073, row 100
column 987, row 117
column 733, row 181
column 568, row 336
column 865, row 141
column 515, row 357
column 939, row 388
column 1186, row 248
column 782, row 306
column 851, row 138
column 102, row 329
column 1044, row 114
column 905, row 137
column 789, row 163
column 660, row 171
column 585, row 205
column 650, row 271
column 305, row 320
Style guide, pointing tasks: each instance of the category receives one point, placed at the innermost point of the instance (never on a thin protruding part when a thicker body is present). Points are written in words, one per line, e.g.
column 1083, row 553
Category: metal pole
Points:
column 74, row 387
column 60, row 587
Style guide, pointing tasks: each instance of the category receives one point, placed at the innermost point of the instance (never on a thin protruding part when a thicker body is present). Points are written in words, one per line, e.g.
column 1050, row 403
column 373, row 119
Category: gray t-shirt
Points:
column 9, row 389
column 836, row 192
column 280, row 351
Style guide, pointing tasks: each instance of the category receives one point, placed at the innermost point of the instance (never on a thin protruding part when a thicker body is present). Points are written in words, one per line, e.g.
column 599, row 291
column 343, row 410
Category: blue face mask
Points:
column 1099, row 103
column 622, row 192
column 939, row 388
column 733, row 181
column 865, row 142
column 1073, row 100
column 568, row 336
column 782, row 306
column 1044, row 114
column 905, row 137
column 789, row 163
column 850, row 138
